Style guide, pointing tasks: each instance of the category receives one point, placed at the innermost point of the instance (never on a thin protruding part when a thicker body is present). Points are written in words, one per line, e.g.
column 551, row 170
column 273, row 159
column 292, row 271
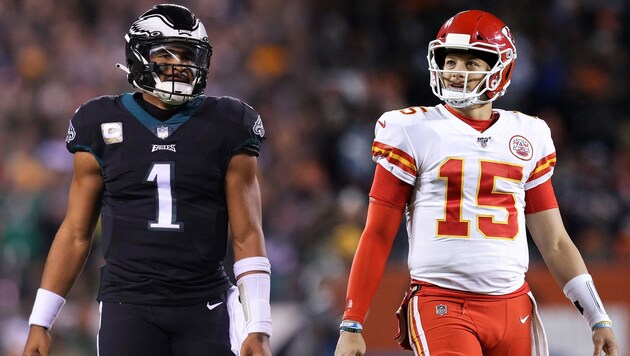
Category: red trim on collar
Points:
column 479, row 125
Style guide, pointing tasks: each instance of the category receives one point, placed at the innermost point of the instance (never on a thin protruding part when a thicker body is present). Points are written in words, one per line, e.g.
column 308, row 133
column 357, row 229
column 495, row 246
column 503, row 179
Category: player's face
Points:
column 174, row 63
column 463, row 69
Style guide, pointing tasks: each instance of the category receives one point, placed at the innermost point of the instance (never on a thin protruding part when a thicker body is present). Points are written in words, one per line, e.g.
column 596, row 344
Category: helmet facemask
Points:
column 484, row 92
column 173, row 71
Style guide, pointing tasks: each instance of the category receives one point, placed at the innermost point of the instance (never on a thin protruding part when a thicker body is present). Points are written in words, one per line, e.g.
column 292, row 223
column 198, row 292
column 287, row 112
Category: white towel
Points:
column 238, row 331
column 539, row 338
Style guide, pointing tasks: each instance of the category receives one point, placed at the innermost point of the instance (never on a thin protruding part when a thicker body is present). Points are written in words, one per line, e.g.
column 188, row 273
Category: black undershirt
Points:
column 153, row 110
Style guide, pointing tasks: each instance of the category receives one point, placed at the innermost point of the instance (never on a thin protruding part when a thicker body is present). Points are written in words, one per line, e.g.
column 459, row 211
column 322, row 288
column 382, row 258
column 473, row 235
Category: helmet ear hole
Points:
column 494, row 83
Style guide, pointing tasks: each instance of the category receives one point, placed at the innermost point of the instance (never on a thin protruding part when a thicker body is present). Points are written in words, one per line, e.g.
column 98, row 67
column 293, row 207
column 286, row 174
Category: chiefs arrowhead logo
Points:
column 521, row 148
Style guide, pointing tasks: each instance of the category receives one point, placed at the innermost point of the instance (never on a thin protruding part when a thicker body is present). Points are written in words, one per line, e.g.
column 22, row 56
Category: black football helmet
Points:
column 163, row 43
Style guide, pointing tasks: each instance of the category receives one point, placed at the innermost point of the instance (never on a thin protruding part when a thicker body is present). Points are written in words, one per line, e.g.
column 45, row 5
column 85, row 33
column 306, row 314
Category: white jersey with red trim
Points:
column 465, row 218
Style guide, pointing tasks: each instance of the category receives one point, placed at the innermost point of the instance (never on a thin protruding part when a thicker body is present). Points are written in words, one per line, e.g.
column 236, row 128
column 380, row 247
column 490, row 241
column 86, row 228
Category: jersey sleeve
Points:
column 85, row 134
column 540, row 198
column 545, row 159
column 392, row 148
column 250, row 131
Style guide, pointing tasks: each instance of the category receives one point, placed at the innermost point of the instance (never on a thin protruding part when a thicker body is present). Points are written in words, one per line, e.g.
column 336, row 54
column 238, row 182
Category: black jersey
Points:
column 164, row 213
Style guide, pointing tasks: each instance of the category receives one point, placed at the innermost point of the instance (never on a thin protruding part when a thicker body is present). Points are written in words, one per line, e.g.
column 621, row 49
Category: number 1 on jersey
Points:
column 161, row 174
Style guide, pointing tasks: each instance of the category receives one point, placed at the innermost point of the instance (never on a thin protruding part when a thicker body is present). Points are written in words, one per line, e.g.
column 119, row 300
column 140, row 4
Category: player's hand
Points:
column 256, row 344
column 604, row 340
column 38, row 342
column 350, row 344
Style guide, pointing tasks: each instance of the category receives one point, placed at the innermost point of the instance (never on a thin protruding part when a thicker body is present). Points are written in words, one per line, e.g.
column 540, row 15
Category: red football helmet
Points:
column 484, row 36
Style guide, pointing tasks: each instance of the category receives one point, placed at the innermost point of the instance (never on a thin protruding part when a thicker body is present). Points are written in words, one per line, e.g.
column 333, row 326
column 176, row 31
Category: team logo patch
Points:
column 71, row 133
column 162, row 132
column 112, row 132
column 521, row 148
column 258, row 127
column 440, row 309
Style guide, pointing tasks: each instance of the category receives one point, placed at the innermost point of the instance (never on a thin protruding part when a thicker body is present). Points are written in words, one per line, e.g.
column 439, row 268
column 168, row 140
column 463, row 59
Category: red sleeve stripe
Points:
column 544, row 166
column 389, row 190
column 540, row 198
column 395, row 156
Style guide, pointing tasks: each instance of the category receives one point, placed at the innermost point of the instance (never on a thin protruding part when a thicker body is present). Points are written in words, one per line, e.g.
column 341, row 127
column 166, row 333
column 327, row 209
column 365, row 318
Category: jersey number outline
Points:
column 162, row 174
column 452, row 172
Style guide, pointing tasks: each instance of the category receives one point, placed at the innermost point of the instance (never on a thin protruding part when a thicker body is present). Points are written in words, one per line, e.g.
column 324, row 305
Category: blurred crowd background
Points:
column 320, row 72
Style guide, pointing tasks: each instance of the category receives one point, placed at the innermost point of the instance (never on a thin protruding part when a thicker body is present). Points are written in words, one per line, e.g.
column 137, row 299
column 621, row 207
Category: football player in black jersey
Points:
column 167, row 170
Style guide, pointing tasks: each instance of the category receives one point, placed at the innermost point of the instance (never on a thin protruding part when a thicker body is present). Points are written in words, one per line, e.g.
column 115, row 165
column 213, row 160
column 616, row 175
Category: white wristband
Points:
column 255, row 290
column 250, row 264
column 582, row 293
column 46, row 308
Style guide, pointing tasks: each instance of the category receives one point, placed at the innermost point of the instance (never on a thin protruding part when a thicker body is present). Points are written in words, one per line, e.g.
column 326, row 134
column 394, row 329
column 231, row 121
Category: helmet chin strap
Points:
column 465, row 99
column 173, row 93
column 170, row 92
column 457, row 99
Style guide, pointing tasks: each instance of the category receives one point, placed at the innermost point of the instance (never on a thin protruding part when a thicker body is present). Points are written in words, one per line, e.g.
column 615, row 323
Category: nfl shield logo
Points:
column 440, row 309
column 162, row 132
column 483, row 141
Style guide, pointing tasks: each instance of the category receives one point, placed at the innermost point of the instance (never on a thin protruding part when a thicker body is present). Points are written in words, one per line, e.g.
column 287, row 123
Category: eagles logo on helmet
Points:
column 172, row 29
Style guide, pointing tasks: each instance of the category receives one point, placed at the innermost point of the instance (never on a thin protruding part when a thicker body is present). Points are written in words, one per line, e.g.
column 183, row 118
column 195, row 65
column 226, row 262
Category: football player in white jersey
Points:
column 470, row 180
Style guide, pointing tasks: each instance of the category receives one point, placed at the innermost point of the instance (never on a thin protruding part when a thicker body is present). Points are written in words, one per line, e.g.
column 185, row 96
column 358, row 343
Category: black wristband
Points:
column 351, row 327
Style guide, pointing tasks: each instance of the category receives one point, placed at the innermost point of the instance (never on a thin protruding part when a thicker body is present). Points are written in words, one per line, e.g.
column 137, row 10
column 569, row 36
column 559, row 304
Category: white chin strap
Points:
column 457, row 99
column 169, row 90
column 173, row 93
